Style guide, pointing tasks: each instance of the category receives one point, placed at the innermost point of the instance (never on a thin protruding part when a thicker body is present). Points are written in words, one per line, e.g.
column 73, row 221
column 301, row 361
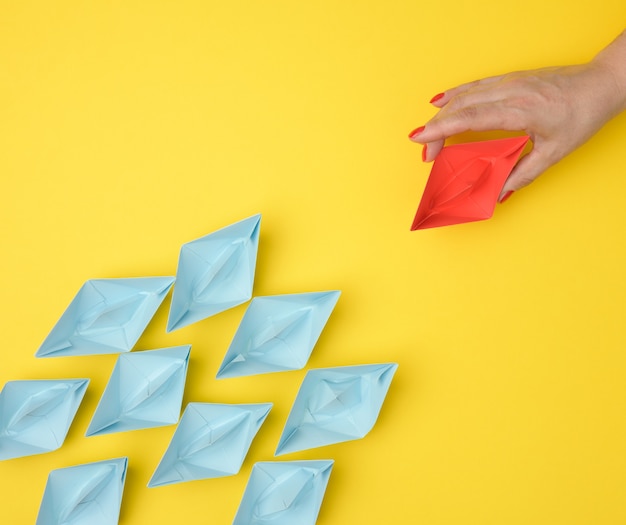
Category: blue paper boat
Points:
column 145, row 390
column 89, row 494
column 35, row 416
column 211, row 441
column 335, row 405
column 107, row 316
column 278, row 333
column 284, row 493
column 215, row 273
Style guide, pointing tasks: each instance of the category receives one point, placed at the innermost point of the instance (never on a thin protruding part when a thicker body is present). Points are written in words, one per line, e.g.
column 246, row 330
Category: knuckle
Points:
column 514, row 117
column 457, row 102
column 468, row 113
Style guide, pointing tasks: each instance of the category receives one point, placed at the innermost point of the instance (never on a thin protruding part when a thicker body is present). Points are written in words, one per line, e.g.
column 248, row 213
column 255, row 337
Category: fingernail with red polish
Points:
column 437, row 97
column 424, row 153
column 416, row 131
column 506, row 196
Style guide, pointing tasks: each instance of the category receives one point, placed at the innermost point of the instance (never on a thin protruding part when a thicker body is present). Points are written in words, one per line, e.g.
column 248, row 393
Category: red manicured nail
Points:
column 506, row 196
column 437, row 97
column 424, row 153
column 416, row 131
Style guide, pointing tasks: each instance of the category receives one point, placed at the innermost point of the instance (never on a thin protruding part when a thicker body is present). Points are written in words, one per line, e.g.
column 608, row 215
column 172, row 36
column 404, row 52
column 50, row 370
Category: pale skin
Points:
column 560, row 108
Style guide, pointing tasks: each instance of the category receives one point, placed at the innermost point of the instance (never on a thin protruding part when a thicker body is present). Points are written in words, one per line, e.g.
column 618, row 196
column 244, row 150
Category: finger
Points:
column 525, row 172
column 502, row 92
column 441, row 99
column 431, row 150
column 480, row 117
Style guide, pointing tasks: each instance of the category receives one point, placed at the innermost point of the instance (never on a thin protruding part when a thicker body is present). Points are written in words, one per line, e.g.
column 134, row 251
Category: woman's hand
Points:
column 560, row 108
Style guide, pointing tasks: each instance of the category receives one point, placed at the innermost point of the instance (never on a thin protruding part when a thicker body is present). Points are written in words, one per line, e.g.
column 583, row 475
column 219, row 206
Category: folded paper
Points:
column 145, row 390
column 107, row 316
column 215, row 273
column 465, row 182
column 89, row 494
column 278, row 333
column 284, row 493
column 335, row 405
column 211, row 441
column 35, row 416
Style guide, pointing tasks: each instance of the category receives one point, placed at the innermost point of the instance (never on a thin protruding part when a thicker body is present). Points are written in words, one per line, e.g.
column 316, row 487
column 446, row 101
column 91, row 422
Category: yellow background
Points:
column 128, row 128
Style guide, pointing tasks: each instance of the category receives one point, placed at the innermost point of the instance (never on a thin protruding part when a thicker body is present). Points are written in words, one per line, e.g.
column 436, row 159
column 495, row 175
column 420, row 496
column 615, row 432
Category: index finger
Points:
column 479, row 117
column 449, row 94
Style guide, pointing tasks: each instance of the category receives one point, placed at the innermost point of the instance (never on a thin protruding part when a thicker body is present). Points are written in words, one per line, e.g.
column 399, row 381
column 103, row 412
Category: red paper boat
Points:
column 465, row 182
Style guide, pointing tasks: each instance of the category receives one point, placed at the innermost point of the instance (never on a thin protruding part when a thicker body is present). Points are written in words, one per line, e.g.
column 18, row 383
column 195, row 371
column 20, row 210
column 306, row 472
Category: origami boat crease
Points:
column 284, row 493
column 36, row 415
column 106, row 316
column 87, row 490
column 278, row 333
column 463, row 185
column 465, row 182
column 211, row 441
column 215, row 273
column 153, row 384
column 218, row 271
column 210, row 435
column 145, row 390
column 37, row 406
column 335, row 405
column 335, row 401
column 90, row 493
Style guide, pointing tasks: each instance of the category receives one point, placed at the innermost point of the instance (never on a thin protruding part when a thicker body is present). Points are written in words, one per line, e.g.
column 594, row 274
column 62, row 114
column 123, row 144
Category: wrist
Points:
column 612, row 62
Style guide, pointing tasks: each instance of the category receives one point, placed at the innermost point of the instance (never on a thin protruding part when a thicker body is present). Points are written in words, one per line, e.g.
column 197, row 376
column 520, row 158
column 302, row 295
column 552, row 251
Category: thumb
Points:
column 526, row 171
